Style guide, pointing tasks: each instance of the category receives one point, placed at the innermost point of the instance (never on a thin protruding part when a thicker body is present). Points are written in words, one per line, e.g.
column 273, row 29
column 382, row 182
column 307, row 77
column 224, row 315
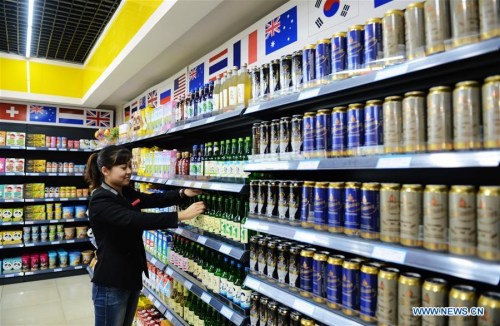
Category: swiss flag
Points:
column 10, row 111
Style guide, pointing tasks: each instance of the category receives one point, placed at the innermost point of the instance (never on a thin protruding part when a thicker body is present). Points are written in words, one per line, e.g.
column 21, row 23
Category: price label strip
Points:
column 391, row 72
column 309, row 93
column 212, row 119
column 226, row 312
column 188, row 285
column 205, row 297
column 308, row 165
column 169, row 316
column 386, row 253
column 57, row 270
column 202, row 239
column 396, row 162
column 225, row 249
column 303, row 307
column 154, row 261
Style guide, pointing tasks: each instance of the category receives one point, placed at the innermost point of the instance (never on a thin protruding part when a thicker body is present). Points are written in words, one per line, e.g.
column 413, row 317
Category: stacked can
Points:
column 393, row 124
column 411, row 215
column 466, row 116
column 409, row 296
column 334, row 281
column 373, row 126
column 322, row 133
column 462, row 220
column 355, row 128
column 373, row 46
column 297, row 71
column 307, row 204
column 57, row 211
column 439, row 121
column 350, row 286
column 323, row 60
column 491, row 111
column 415, row 30
column 488, row 219
column 370, row 211
column 339, row 131
column 436, row 217
column 335, row 207
column 308, row 128
column 437, row 25
column 309, row 64
column 352, row 208
column 49, row 211
column 319, row 272
column 434, row 295
column 464, row 22
column 286, row 72
column 387, row 296
column 414, row 122
column 306, row 271
column 339, row 54
column 294, row 201
column 390, row 212
column 394, row 36
column 355, row 59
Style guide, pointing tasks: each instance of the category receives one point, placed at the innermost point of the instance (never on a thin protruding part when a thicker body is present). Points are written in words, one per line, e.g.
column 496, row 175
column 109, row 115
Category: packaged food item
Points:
column 2, row 164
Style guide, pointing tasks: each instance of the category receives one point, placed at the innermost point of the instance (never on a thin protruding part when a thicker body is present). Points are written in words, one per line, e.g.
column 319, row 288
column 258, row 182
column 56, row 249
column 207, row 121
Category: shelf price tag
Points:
column 202, row 239
column 170, row 271
column 157, row 304
column 150, row 297
column 57, row 270
column 212, row 119
column 188, row 285
column 70, row 241
column 27, row 274
column 79, row 267
column 225, row 249
column 187, row 126
column 52, row 149
column 309, row 93
column 308, row 165
column 386, row 253
column 205, row 297
column 12, row 275
column 154, row 261
column 228, row 313
column 392, row 71
column 304, row 307
column 395, row 162
column 198, row 184
column 252, row 283
column 169, row 316
column 55, row 242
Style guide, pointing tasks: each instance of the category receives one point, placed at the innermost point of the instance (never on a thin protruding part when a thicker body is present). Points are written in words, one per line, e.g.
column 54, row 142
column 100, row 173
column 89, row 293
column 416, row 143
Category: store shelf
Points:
column 52, row 149
column 90, row 271
column 153, row 260
column 44, row 200
column 49, row 174
column 11, row 223
column 208, row 122
column 64, row 220
column 236, row 185
column 10, row 246
column 11, row 275
column 303, row 305
column 148, row 179
column 17, row 200
column 53, row 243
column 11, row 174
column 468, row 268
column 12, row 147
column 162, row 307
column 55, row 270
column 220, row 246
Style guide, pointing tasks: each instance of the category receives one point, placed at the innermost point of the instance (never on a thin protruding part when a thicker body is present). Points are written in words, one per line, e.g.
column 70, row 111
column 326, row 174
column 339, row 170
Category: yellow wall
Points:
column 13, row 75
column 56, row 80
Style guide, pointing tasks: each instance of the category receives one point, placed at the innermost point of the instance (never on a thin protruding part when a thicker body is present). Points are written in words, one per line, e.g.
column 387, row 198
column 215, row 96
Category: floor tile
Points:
column 75, row 291
column 42, row 314
column 34, row 296
column 28, row 286
column 77, row 309
column 89, row 321
column 81, row 279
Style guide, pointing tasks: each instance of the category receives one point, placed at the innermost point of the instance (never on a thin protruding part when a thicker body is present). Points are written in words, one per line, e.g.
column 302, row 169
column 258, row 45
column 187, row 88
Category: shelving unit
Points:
column 56, row 270
column 234, row 185
column 163, row 308
column 53, row 243
column 46, row 200
column 64, row 220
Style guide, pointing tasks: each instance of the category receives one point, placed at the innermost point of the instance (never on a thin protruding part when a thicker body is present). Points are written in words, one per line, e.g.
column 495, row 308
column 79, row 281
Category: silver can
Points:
column 462, row 220
column 488, row 223
column 409, row 296
column 463, row 296
column 286, row 72
column 489, row 14
column 297, row 73
column 390, row 212
column 387, row 296
column 414, row 122
column 437, row 25
column 491, row 112
column 297, row 136
column 255, row 83
column 415, row 30
column 411, row 215
column 464, row 22
column 393, row 36
column 439, row 122
column 393, row 124
column 466, row 116
column 434, row 294
column 436, row 217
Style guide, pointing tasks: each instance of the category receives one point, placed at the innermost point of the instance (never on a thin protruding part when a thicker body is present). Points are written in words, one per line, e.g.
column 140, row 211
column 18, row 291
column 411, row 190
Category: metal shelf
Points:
column 476, row 269
column 64, row 220
column 220, row 246
column 52, row 149
column 11, row 174
column 162, row 307
column 157, row 263
column 17, row 200
column 10, row 246
column 54, row 270
column 53, row 243
column 11, row 275
column 12, row 147
column 206, row 121
column 51, row 174
column 42, row 200
column 292, row 299
column 208, row 183
column 11, row 223
column 148, row 179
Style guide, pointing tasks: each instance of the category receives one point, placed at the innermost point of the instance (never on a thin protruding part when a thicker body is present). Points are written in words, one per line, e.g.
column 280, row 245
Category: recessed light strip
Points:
column 31, row 4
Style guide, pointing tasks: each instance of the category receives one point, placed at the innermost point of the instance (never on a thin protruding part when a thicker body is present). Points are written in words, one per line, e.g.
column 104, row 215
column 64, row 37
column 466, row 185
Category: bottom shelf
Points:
column 55, row 270
column 174, row 318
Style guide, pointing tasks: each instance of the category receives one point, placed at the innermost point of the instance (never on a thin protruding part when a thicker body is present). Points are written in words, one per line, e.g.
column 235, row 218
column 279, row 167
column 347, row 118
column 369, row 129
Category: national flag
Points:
column 217, row 63
column 98, row 119
column 126, row 112
column 165, row 97
column 71, row 116
column 153, row 98
column 281, row 31
column 237, row 54
column 142, row 102
column 245, row 50
column 327, row 14
column 252, row 47
column 13, row 112
column 378, row 3
column 179, row 87
column 196, row 77
column 134, row 106
column 46, row 114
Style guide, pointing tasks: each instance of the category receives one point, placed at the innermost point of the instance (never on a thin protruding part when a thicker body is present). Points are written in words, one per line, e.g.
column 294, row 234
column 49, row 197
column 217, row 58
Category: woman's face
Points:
column 119, row 175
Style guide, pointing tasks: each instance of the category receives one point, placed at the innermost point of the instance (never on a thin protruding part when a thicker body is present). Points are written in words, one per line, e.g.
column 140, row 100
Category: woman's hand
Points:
column 192, row 211
column 192, row 192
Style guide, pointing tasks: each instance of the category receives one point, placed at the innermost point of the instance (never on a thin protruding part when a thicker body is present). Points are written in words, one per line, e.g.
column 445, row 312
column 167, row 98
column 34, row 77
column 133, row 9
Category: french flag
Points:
column 71, row 116
column 245, row 50
column 165, row 97
column 217, row 64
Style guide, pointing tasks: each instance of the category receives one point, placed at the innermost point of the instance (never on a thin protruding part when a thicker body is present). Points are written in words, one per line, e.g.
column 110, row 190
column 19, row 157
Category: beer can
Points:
column 437, row 25
column 466, row 116
column 323, row 58
column 462, row 215
column 306, row 321
column 286, row 72
column 306, row 271
column 491, row 112
column 339, row 131
column 336, row 207
column 60, row 167
column 374, row 123
column 488, row 223
column 285, row 135
column 434, row 294
column 352, row 208
column 275, row 86
column 393, row 124
column 415, row 30
column 48, row 167
column 414, row 122
column 387, row 296
column 64, row 142
column 263, row 313
column 294, row 202
column 272, row 313
column 265, row 137
column 256, row 88
column 272, row 259
column 308, row 125
column 58, row 142
column 489, row 18
column 309, row 63
column 463, row 296
column 272, row 199
column 283, row 262
column 256, row 139
column 355, row 43
column 65, row 167
column 255, row 308
column 394, row 35
column 368, row 292
column 53, row 141
column 47, row 141
column 283, row 316
column 283, row 197
column 373, row 46
column 295, row 318
column 275, row 136
column 339, row 50
column 262, row 256
column 411, row 215
column 297, row 134
column 464, row 22
column 350, row 287
column 307, row 205
column 323, row 132
column 436, row 217
column 334, row 281
column 294, row 266
column 355, row 127
column 71, row 144
column 262, row 199
column 439, row 121
column 409, row 296
column 297, row 71
column 490, row 301
column 370, row 211
column 254, row 249
column 265, row 79
column 254, row 197
column 320, row 208
column 71, row 167
column 319, row 270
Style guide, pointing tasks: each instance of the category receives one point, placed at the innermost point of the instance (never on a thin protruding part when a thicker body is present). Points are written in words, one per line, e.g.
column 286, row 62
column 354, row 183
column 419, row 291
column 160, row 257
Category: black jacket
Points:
column 118, row 226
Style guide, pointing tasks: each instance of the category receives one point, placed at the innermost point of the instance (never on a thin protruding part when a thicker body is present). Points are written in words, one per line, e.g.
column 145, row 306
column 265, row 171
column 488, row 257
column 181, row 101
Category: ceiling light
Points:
column 31, row 4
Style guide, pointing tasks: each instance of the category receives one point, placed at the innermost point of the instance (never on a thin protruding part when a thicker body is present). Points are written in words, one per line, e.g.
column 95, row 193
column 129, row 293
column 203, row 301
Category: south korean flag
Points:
column 326, row 14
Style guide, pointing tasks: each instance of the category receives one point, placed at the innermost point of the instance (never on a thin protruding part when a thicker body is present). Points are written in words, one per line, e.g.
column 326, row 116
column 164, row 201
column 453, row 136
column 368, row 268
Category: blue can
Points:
column 306, row 271
column 319, row 275
column 352, row 208
column 323, row 58
column 370, row 210
column 373, row 41
column 335, row 207
column 320, row 208
column 350, row 286
column 339, row 130
column 339, row 50
column 374, row 125
column 355, row 47
column 334, row 281
column 308, row 127
column 355, row 127
column 323, row 132
column 369, row 288
column 309, row 63
column 307, row 204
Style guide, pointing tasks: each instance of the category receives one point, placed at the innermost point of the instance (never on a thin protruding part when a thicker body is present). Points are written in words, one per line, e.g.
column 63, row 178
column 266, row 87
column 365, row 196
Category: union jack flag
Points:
column 37, row 109
column 192, row 74
column 273, row 27
column 153, row 98
column 98, row 118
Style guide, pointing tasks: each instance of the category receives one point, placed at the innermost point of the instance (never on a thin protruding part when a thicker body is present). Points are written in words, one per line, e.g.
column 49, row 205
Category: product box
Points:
column 21, row 139
column 10, row 164
column 10, row 138
column 2, row 192
column 8, row 191
column 18, row 192
column 40, row 166
column 2, row 164
column 2, row 137
column 20, row 165
column 17, row 214
column 7, row 214
column 34, row 209
column 7, row 265
column 36, row 216
column 12, row 237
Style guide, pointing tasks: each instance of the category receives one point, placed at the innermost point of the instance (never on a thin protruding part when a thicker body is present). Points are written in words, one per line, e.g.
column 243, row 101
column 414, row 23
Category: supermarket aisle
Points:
column 63, row 301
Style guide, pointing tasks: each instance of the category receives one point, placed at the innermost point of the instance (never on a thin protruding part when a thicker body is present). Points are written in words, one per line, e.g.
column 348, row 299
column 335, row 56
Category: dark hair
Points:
column 109, row 156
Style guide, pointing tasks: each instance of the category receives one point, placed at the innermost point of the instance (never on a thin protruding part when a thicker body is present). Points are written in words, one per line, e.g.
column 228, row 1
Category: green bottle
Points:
column 201, row 255
column 238, row 283
column 231, row 219
column 231, row 280
column 218, row 215
column 220, row 159
column 245, row 291
column 224, row 278
column 248, row 152
column 197, row 312
column 215, row 157
column 245, row 233
column 217, row 274
column 206, row 266
column 238, row 211
column 240, row 158
column 208, row 158
column 226, row 216
column 211, row 272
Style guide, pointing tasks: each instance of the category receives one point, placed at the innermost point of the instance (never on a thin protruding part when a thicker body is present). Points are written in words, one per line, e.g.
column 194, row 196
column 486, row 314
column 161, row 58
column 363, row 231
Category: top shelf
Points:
column 47, row 149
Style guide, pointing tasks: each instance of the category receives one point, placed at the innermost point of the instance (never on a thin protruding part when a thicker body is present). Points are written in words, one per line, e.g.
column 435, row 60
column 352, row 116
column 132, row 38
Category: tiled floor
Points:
column 56, row 302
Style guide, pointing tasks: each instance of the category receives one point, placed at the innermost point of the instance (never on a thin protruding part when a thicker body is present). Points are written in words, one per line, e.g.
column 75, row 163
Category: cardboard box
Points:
column 17, row 214
column 2, row 164
column 1, row 192
column 36, row 216
column 21, row 139
column 2, row 137
column 34, row 209
column 8, row 191
column 7, row 214
column 20, row 165
column 10, row 164
column 10, row 138
column 18, row 191
column 12, row 237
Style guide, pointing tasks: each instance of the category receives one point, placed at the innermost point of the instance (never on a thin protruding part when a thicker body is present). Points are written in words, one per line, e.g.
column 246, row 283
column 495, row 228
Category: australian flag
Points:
column 281, row 31
column 196, row 77
column 45, row 114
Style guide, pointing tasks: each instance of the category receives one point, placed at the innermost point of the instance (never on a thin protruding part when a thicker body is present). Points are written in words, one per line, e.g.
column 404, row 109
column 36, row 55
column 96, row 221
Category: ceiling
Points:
column 65, row 30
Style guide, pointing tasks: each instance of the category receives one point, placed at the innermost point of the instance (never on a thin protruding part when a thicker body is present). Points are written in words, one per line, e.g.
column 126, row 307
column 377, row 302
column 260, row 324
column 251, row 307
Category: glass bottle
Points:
column 210, row 99
column 206, row 265
column 231, row 280
column 201, row 254
column 245, row 233
column 238, row 211
column 208, row 158
column 237, row 284
column 193, row 164
column 225, row 90
column 178, row 164
column 215, row 156
column 246, row 292
column 216, row 94
column 226, row 160
column 224, row 277
column 217, row 274
column 218, row 216
column 219, row 163
column 240, row 158
column 201, row 160
column 211, row 272
column 233, row 87
column 244, row 86
column 225, row 216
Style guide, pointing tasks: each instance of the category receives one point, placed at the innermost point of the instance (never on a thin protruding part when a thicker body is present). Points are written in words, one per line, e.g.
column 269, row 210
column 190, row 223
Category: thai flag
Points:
column 217, row 64
column 153, row 98
column 165, row 97
column 98, row 119
column 71, row 116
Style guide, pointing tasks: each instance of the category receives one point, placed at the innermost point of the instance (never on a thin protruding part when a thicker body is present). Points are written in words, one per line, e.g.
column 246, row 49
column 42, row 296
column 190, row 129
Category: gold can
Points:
column 463, row 296
column 434, row 294
column 414, row 122
column 390, row 212
column 411, row 215
column 415, row 30
column 437, row 25
column 436, row 217
column 466, row 116
column 491, row 112
column 409, row 296
column 305, row 321
column 462, row 220
column 489, row 18
column 393, row 124
column 490, row 301
column 464, row 22
column 387, row 296
column 488, row 223
column 439, row 121
column 393, row 35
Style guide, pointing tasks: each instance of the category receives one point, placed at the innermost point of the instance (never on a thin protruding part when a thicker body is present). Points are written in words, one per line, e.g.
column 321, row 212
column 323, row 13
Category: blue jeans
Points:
column 114, row 306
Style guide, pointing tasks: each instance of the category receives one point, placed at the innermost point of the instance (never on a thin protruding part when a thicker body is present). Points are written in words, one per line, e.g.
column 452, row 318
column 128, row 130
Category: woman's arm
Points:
column 167, row 199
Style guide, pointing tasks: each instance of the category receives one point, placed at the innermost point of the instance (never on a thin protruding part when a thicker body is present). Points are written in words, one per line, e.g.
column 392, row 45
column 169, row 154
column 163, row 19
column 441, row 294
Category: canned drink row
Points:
column 64, row 167
column 64, row 142
column 368, row 289
column 65, row 192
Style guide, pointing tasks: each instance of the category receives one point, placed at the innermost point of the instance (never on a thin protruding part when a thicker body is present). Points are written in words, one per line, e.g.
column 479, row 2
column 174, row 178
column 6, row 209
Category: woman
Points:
column 118, row 224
